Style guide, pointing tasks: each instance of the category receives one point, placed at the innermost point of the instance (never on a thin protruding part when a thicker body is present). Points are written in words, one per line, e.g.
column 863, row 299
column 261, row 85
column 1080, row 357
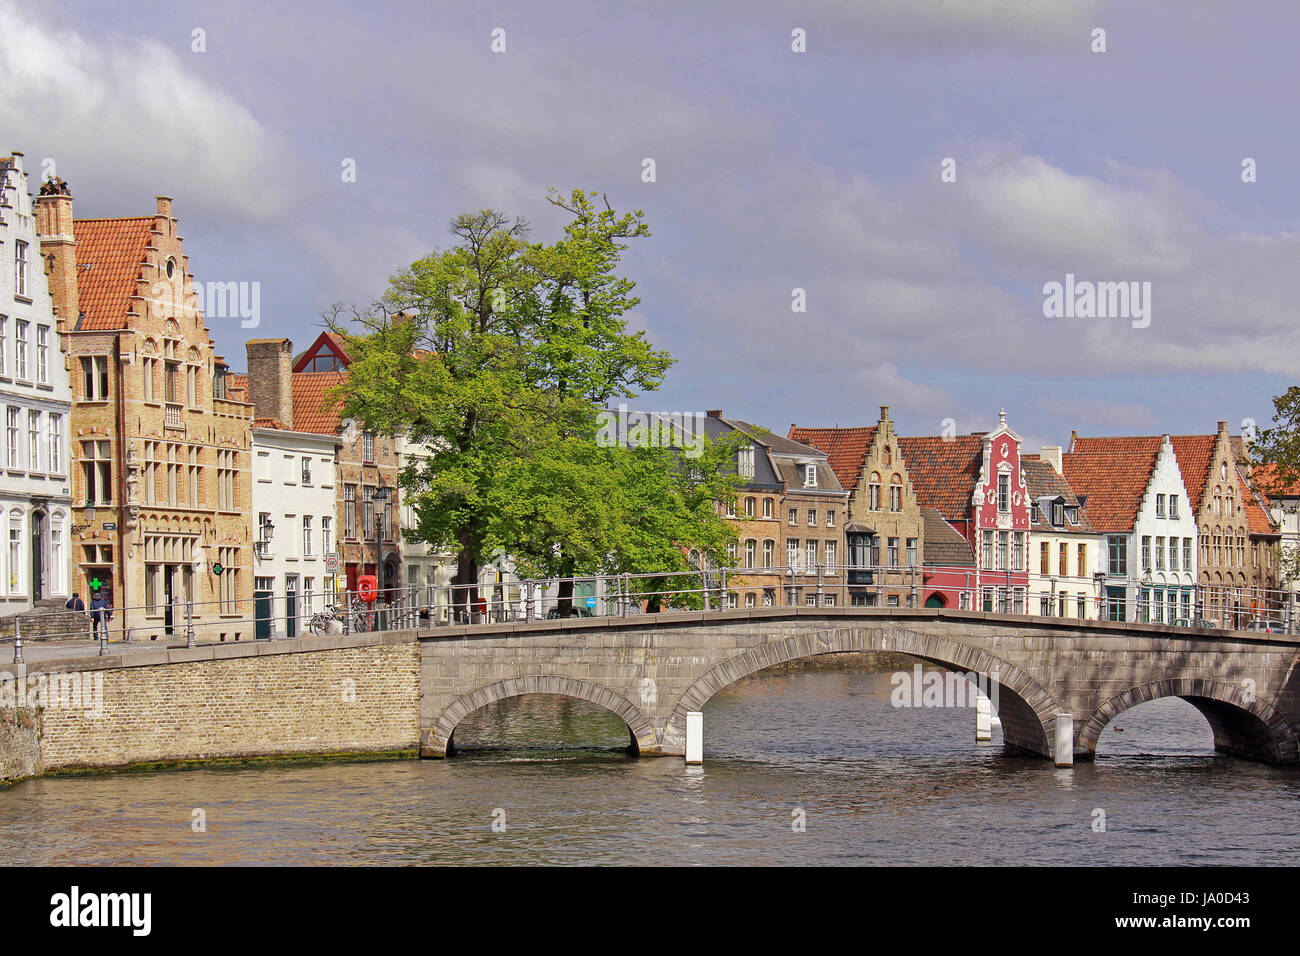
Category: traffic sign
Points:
column 591, row 602
column 332, row 562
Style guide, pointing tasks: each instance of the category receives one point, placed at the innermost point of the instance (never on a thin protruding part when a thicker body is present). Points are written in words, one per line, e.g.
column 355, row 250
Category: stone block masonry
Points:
column 315, row 696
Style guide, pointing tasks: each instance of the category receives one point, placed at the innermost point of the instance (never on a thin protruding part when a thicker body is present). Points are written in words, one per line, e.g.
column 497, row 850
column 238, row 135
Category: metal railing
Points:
column 291, row 615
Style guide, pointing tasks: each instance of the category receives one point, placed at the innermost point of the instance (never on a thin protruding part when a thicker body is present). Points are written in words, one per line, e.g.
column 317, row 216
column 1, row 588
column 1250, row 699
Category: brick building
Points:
column 789, row 520
column 975, row 482
column 1237, row 565
column 160, row 488
column 367, row 519
column 884, row 533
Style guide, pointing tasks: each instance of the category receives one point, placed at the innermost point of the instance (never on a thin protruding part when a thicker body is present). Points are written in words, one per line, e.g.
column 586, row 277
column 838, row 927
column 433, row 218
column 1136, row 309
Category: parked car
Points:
column 554, row 613
column 1183, row 622
column 1205, row 622
column 1268, row 627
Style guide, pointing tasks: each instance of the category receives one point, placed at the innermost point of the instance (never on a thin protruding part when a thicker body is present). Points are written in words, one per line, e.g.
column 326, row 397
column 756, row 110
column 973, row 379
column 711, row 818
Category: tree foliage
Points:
column 495, row 355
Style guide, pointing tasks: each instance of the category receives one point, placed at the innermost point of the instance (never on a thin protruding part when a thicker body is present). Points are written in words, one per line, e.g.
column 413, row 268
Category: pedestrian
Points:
column 75, row 603
column 101, row 612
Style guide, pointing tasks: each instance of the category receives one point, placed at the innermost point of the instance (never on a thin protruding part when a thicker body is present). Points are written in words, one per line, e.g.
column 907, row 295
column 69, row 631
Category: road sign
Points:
column 331, row 562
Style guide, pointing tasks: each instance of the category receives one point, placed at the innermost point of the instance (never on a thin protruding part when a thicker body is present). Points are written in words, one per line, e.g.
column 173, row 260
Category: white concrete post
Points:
column 983, row 717
column 695, row 737
column 1063, row 752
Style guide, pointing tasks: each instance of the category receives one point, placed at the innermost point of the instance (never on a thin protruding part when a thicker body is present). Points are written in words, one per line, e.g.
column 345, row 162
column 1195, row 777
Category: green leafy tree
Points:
column 494, row 355
column 1279, row 445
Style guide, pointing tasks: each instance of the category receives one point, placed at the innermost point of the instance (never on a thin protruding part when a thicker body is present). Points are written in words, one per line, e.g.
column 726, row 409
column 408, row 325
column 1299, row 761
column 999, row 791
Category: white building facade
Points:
column 35, row 408
column 1063, row 548
column 295, row 478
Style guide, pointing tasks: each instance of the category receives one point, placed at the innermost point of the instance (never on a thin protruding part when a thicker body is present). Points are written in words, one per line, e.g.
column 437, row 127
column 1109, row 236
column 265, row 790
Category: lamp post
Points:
column 380, row 496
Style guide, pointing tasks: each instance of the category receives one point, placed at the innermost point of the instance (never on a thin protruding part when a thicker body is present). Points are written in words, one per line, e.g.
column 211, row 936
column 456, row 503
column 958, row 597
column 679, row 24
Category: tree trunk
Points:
column 464, row 597
column 564, row 596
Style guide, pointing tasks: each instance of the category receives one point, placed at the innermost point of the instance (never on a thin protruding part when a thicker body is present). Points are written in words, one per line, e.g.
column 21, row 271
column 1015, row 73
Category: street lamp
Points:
column 380, row 495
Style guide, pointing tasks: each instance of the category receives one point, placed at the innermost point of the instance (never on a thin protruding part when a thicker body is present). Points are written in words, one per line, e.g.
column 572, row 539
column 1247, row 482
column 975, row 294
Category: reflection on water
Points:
column 876, row 785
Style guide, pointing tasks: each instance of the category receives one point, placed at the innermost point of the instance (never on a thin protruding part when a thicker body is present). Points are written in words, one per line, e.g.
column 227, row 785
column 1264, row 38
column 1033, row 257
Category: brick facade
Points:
column 161, row 486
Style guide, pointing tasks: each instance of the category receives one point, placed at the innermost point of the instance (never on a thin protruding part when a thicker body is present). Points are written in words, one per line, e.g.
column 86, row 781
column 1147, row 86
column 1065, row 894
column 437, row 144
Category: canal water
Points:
column 802, row 766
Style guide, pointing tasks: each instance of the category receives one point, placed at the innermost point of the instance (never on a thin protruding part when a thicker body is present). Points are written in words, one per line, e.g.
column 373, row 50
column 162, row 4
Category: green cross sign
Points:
column 217, row 568
column 95, row 583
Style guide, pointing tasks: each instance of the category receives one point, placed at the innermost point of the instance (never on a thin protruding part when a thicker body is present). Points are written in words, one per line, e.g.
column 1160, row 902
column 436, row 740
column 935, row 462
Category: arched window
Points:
column 895, row 493
column 751, row 549
column 873, row 492
column 749, row 507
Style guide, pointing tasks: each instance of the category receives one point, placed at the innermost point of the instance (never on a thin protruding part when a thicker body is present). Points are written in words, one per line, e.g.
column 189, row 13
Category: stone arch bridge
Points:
column 1056, row 682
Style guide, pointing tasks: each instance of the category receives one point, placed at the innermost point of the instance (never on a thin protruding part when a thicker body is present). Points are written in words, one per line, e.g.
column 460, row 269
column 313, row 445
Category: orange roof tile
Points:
column 311, row 411
column 944, row 471
column 1266, row 479
column 1194, row 453
column 109, row 256
column 845, row 448
column 1113, row 473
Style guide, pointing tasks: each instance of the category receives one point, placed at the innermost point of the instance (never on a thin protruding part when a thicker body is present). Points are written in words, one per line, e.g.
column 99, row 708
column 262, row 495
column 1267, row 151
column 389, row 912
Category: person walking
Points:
column 75, row 603
column 101, row 612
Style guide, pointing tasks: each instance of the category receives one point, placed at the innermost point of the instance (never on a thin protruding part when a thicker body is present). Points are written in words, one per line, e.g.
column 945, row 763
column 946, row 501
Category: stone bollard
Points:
column 1063, row 752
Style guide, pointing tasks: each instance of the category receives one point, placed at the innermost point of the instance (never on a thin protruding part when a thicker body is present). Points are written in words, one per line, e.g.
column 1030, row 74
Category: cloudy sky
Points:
column 774, row 170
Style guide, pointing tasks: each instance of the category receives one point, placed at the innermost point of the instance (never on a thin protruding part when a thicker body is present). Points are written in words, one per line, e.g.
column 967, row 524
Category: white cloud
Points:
column 125, row 119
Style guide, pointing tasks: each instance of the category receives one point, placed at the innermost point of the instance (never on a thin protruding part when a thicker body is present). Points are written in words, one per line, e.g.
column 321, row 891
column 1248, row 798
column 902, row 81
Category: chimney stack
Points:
column 1052, row 455
column 714, row 413
column 1223, row 428
column 58, row 241
column 270, row 379
column 884, row 413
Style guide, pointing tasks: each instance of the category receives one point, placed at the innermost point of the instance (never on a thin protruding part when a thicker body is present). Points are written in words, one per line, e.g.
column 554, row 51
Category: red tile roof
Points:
column 1194, row 453
column 114, row 250
column 1267, row 481
column 1113, row 473
column 845, row 448
column 311, row 411
column 944, row 471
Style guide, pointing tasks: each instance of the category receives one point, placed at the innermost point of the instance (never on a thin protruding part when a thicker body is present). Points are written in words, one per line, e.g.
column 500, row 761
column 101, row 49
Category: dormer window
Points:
column 1058, row 514
column 1033, row 512
column 810, row 476
column 745, row 462
column 1072, row 515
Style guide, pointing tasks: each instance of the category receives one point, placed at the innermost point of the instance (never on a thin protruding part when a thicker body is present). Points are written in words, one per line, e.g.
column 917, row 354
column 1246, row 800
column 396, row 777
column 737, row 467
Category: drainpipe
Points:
column 121, row 476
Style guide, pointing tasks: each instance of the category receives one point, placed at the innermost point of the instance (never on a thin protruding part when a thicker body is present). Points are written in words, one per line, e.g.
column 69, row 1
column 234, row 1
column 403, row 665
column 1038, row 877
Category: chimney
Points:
column 270, row 379
column 59, row 250
column 884, row 413
column 162, row 222
column 1052, row 455
column 714, row 413
column 1074, row 435
column 1223, row 428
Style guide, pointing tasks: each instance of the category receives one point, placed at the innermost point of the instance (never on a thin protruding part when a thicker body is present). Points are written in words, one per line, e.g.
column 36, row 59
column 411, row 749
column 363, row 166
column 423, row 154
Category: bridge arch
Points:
column 438, row 740
column 1244, row 724
column 1027, row 710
